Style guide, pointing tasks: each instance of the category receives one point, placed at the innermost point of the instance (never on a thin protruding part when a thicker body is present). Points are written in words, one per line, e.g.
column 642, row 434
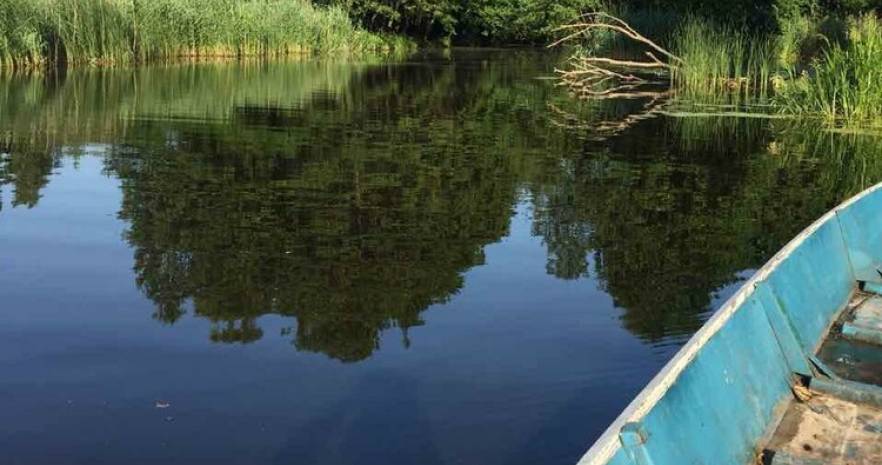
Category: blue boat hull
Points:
column 722, row 396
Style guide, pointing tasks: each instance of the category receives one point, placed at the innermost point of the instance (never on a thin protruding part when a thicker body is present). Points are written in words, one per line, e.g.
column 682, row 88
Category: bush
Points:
column 519, row 21
column 846, row 81
column 717, row 58
column 426, row 19
column 805, row 38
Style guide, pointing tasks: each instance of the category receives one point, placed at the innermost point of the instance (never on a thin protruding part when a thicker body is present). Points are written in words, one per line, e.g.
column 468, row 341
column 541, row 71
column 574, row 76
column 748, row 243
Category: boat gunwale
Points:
column 605, row 447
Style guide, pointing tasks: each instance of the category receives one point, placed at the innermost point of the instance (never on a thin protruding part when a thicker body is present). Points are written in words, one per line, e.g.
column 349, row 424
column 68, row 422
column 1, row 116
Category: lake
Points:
column 443, row 259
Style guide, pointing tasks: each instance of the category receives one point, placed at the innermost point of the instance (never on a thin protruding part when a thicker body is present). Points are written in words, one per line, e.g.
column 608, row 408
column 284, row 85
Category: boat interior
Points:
column 787, row 372
column 836, row 415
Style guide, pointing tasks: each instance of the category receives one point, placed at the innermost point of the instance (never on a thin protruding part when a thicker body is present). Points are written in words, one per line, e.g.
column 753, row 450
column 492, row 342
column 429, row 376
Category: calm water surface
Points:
column 443, row 260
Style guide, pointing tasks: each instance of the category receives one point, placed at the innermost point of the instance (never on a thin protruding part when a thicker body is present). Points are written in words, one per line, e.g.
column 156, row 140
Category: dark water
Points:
column 853, row 360
column 439, row 261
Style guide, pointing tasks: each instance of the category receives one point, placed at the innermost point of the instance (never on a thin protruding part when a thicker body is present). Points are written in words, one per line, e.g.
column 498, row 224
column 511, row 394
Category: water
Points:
column 434, row 261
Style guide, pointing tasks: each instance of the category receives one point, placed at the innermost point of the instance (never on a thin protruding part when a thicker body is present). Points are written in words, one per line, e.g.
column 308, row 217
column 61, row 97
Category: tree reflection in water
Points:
column 353, row 198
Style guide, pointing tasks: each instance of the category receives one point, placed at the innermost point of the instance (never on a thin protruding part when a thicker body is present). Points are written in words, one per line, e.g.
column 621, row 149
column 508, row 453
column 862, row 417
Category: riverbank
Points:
column 109, row 32
column 824, row 67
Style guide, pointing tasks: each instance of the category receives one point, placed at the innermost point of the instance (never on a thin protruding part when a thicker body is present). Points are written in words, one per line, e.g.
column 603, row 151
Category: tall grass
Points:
column 813, row 66
column 719, row 58
column 845, row 83
column 21, row 37
column 36, row 32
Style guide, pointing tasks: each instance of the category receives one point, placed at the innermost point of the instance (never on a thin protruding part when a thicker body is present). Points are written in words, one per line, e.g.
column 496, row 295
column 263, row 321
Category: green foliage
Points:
column 419, row 18
column 123, row 31
column 822, row 66
column 518, row 21
column 785, row 11
column 798, row 41
column 21, row 37
column 845, row 82
column 719, row 58
column 534, row 21
column 851, row 6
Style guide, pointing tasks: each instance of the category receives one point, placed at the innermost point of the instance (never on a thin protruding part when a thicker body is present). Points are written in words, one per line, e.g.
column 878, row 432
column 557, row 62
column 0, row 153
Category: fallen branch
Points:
column 604, row 129
column 627, row 63
column 598, row 20
column 596, row 77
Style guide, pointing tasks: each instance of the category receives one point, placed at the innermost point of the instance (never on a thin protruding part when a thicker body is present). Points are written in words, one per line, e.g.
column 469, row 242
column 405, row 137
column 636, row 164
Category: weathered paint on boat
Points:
column 724, row 392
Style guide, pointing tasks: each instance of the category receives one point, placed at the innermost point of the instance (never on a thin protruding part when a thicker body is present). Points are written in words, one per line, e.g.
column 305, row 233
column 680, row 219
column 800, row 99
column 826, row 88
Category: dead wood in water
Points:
column 601, row 20
column 599, row 130
column 645, row 72
column 593, row 77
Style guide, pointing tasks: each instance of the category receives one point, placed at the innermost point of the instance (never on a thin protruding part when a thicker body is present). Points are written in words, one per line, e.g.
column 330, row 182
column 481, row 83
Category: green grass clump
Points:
column 21, row 39
column 37, row 32
column 845, row 83
column 87, row 30
column 718, row 58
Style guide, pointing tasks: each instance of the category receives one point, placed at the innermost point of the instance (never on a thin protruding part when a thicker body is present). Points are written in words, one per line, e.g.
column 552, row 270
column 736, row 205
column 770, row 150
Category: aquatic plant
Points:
column 823, row 67
column 718, row 58
column 845, row 83
column 124, row 31
column 703, row 59
column 21, row 39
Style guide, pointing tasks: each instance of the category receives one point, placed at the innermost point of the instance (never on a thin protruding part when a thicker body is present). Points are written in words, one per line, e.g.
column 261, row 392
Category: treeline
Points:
column 39, row 32
column 467, row 21
column 535, row 21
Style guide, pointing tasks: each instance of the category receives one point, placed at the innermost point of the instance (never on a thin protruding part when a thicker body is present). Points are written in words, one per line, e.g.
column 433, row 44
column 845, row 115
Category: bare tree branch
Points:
column 595, row 77
column 601, row 20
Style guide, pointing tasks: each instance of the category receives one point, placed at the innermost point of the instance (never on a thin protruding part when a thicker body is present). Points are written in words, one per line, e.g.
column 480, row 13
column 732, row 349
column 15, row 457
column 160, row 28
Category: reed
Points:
column 719, row 58
column 21, row 38
column 38, row 32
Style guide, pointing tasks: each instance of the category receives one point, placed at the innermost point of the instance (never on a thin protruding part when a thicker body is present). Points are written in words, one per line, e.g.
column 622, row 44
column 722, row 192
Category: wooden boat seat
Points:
column 828, row 430
column 866, row 322
column 837, row 420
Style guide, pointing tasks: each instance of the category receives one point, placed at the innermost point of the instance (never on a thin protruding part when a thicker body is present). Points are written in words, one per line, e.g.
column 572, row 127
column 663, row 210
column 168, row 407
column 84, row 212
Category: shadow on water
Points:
column 353, row 197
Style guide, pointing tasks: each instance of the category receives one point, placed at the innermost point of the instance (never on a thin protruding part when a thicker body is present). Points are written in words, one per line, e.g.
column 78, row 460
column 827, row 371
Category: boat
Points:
column 755, row 384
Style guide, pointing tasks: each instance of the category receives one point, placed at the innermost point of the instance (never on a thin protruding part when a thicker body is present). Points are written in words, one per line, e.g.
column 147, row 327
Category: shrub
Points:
column 846, row 81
